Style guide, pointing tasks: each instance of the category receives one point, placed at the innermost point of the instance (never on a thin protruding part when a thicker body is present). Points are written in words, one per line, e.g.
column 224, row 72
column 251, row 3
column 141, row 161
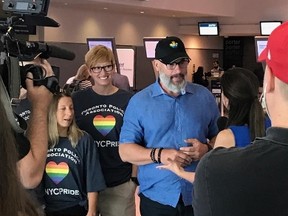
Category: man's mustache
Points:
column 177, row 75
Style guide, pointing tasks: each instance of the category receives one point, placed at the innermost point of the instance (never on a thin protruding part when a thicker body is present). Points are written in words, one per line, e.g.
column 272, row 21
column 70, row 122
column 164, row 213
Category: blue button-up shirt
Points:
column 154, row 119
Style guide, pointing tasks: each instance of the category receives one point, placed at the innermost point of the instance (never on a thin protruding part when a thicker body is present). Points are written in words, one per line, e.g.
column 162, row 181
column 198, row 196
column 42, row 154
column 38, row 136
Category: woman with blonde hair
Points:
column 73, row 176
column 99, row 111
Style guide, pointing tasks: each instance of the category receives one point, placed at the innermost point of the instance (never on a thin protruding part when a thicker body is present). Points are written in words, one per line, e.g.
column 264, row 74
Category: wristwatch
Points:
column 135, row 180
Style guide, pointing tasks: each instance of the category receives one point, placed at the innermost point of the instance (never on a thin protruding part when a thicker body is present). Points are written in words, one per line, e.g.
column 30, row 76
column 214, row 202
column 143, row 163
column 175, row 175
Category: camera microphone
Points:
column 58, row 52
column 48, row 51
column 27, row 51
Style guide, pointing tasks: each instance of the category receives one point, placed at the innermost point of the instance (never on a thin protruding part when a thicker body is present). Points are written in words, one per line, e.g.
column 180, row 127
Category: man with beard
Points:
column 216, row 71
column 170, row 120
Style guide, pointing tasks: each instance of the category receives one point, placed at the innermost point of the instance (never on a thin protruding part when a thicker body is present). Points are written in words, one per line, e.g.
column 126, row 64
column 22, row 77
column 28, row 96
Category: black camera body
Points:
column 39, row 78
column 13, row 51
column 14, row 54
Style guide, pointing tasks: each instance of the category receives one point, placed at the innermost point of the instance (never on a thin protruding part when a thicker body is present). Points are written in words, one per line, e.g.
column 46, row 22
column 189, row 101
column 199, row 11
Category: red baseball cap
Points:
column 276, row 52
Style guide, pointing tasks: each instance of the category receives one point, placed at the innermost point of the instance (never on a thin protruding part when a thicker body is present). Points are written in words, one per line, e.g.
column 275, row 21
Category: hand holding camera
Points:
column 41, row 73
column 36, row 91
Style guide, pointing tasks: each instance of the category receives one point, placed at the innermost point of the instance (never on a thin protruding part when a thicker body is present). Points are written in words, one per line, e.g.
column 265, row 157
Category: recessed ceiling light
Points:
column 142, row 12
column 105, row 8
column 65, row 3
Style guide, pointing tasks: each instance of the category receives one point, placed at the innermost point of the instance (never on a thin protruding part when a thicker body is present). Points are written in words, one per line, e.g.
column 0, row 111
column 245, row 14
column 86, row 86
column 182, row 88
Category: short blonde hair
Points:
column 74, row 133
column 99, row 53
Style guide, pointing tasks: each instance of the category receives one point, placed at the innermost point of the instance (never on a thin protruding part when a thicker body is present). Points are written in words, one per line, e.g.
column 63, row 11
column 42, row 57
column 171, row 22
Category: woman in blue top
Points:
column 246, row 119
column 245, row 114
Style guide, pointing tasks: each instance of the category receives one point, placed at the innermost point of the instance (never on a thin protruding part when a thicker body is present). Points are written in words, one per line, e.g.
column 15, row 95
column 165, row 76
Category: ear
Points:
column 269, row 80
column 156, row 64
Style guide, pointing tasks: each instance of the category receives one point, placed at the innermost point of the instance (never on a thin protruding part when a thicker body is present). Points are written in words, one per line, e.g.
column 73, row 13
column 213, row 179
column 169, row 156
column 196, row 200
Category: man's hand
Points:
column 39, row 95
column 31, row 167
column 180, row 157
column 195, row 150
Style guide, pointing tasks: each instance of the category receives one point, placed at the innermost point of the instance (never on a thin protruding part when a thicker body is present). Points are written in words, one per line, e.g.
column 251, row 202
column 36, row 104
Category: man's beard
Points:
column 167, row 82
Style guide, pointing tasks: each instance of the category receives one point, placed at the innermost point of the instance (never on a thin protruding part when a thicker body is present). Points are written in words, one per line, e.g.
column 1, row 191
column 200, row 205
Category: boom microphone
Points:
column 57, row 52
column 29, row 50
column 48, row 51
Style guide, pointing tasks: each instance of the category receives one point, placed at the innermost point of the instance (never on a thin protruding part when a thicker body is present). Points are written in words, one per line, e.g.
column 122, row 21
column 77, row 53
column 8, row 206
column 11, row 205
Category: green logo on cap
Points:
column 173, row 44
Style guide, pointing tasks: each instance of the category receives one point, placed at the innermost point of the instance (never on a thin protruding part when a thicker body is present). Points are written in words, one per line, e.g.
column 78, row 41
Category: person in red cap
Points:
column 252, row 180
column 171, row 119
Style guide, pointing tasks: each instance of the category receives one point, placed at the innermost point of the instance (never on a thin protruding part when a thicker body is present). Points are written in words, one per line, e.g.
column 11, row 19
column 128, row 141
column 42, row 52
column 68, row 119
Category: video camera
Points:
column 26, row 13
column 15, row 53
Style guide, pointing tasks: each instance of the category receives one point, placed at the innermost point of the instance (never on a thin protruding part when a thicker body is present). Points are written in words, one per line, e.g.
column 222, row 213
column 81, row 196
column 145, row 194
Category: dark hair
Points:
column 200, row 70
column 241, row 87
column 13, row 197
column 198, row 77
column 198, row 74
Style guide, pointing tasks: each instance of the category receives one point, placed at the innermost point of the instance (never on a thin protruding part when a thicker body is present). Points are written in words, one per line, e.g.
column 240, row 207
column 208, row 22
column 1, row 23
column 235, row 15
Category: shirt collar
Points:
column 157, row 89
column 277, row 134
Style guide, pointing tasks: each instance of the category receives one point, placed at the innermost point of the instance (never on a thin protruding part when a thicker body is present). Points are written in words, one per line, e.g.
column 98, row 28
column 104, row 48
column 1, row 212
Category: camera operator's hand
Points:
column 37, row 94
column 31, row 167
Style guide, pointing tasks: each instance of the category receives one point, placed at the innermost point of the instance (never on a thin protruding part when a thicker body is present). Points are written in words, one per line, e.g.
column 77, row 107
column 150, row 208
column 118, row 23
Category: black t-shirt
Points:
column 244, row 181
column 102, row 117
column 23, row 109
column 71, row 173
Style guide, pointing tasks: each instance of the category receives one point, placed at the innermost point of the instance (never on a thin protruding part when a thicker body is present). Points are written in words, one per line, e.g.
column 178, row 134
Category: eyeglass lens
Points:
column 106, row 68
column 182, row 64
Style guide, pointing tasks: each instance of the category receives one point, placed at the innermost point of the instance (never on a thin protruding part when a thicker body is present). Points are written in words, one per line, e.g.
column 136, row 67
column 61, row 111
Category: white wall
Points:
column 77, row 25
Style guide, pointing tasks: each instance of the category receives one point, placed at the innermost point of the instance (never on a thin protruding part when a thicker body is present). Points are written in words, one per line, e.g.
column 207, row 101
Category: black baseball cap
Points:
column 170, row 49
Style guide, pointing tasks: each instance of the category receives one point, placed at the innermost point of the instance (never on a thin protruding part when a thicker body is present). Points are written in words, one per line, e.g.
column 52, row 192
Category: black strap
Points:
column 51, row 83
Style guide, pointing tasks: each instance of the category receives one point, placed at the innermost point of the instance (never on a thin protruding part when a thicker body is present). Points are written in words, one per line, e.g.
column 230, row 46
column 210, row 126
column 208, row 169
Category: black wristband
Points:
column 159, row 155
column 152, row 155
column 209, row 147
column 135, row 180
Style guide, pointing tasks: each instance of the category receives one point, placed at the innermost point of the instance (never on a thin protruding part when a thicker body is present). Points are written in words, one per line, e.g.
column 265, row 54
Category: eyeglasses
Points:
column 98, row 69
column 182, row 64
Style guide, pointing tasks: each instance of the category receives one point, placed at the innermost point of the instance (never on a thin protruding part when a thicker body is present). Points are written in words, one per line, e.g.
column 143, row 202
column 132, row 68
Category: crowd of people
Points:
column 90, row 148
